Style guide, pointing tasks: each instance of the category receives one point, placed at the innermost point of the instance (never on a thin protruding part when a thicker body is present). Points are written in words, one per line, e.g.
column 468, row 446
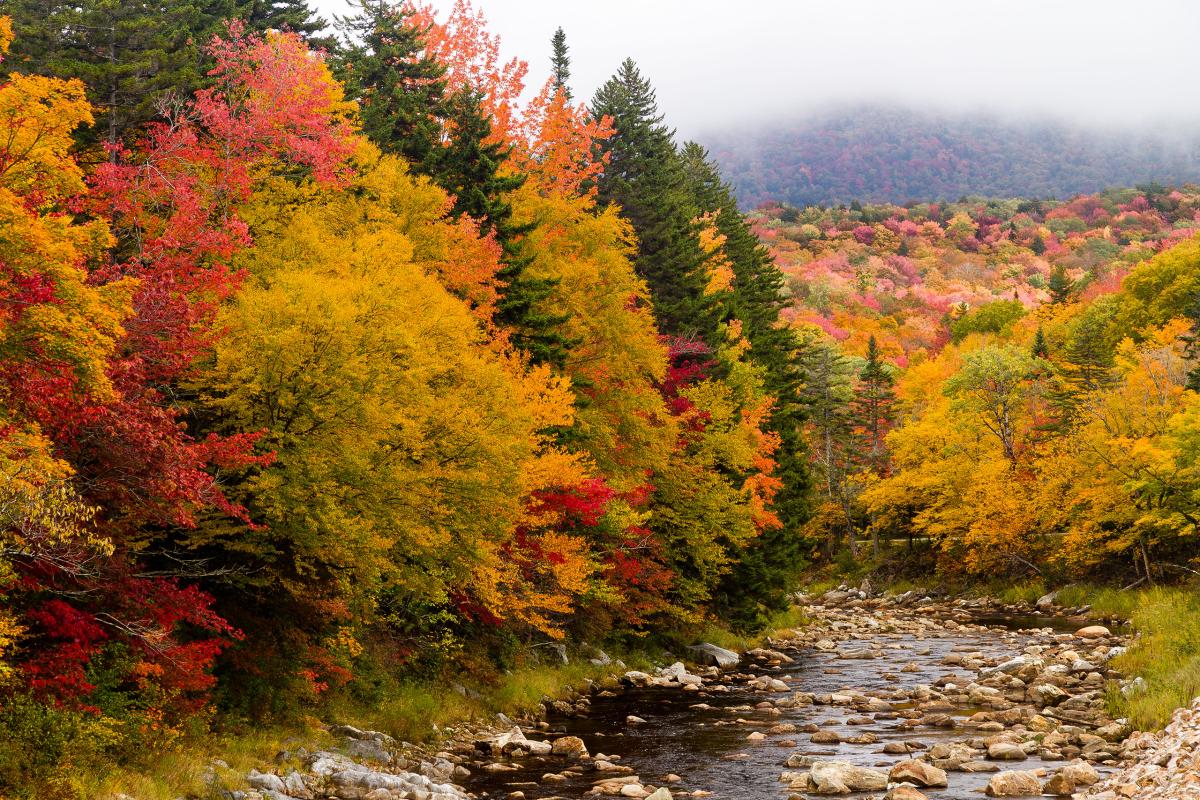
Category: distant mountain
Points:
column 879, row 154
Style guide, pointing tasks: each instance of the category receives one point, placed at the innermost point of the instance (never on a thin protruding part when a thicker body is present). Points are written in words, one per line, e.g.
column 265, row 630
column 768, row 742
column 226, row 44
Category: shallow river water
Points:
column 718, row 758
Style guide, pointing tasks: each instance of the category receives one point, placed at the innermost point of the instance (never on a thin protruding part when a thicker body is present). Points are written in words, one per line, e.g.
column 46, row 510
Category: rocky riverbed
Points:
column 903, row 697
column 1164, row 765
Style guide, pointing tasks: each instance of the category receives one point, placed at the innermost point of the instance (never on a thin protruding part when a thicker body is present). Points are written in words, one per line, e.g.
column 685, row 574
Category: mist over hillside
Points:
column 890, row 154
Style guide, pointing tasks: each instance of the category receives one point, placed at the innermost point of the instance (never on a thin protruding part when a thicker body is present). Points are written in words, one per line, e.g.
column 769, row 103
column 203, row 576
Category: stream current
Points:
column 708, row 747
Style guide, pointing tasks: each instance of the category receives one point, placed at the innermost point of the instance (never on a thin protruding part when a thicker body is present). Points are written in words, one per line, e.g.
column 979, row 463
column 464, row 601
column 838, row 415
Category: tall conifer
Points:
column 130, row 54
column 400, row 90
column 560, row 63
column 646, row 180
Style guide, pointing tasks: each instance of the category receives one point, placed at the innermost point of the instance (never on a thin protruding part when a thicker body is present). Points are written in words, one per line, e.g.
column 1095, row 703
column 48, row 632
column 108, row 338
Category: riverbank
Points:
column 418, row 716
column 905, row 679
column 1165, row 766
column 444, row 728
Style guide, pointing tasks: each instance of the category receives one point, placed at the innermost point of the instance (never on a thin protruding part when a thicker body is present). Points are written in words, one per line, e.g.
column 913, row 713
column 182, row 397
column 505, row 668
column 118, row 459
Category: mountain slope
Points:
column 880, row 154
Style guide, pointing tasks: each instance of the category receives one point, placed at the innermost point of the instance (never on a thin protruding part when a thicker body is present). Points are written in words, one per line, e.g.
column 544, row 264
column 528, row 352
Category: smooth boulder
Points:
column 918, row 773
column 713, row 656
column 1093, row 632
column 1022, row 783
column 828, row 777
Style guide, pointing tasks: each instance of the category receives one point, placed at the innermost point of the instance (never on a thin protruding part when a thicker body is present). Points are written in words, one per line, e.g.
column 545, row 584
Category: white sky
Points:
column 729, row 64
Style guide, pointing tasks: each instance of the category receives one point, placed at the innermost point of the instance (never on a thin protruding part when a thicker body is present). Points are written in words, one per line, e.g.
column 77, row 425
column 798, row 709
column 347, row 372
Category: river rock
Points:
column 368, row 749
column 713, row 656
column 1046, row 694
column 296, row 787
column 1081, row 773
column 1022, row 783
column 266, row 781
column 840, row 777
column 834, row 597
column 1093, row 632
column 825, row 737
column 1059, row 785
column 678, row 673
column 904, row 792
column 569, row 746
column 661, row 793
column 918, row 773
column 1006, row 751
column 1012, row 666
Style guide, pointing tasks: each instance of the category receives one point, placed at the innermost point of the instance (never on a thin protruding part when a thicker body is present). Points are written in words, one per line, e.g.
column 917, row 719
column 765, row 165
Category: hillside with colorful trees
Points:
column 1011, row 384
column 328, row 367
column 892, row 154
column 338, row 368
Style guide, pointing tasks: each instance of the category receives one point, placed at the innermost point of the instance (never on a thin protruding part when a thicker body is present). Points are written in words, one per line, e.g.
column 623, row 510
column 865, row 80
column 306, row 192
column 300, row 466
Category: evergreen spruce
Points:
column 1040, row 349
column 400, row 90
column 1060, row 285
column 827, row 396
column 756, row 300
column 1087, row 366
column 469, row 167
column 560, row 63
column 284, row 15
column 1191, row 341
column 646, row 179
column 872, row 408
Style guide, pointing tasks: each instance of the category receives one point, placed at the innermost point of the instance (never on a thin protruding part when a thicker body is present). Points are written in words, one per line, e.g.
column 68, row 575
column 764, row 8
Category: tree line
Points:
column 332, row 360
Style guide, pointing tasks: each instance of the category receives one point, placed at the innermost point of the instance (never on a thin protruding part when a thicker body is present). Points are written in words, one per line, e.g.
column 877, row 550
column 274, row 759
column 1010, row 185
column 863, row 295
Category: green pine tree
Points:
column 646, row 179
column 1086, row 366
column 1040, row 349
column 1060, row 286
column 872, row 409
column 285, row 15
column 756, row 300
column 1191, row 341
column 1038, row 246
column 469, row 167
column 400, row 90
column 560, row 63
column 827, row 395
column 130, row 54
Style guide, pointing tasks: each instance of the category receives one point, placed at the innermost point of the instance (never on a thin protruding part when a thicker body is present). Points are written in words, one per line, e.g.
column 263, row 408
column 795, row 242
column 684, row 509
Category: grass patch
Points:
column 778, row 625
column 1026, row 592
column 1104, row 600
column 1166, row 654
column 416, row 711
column 723, row 637
column 188, row 770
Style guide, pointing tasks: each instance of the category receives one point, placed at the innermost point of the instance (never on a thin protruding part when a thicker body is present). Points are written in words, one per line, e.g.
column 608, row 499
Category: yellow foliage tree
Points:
column 406, row 440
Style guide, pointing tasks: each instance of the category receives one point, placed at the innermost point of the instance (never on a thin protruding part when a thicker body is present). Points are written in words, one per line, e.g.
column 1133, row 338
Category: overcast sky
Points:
column 737, row 63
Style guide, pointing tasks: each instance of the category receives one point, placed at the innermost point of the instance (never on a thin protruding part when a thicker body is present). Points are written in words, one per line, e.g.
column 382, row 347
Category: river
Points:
column 701, row 737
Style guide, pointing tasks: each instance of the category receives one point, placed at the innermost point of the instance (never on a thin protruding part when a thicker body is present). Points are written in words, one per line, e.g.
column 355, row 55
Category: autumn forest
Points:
column 336, row 357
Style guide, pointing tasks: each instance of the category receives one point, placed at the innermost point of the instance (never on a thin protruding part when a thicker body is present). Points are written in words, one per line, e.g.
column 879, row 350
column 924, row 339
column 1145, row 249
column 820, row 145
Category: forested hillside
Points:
column 1011, row 383
column 893, row 155
column 338, row 371
column 333, row 365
